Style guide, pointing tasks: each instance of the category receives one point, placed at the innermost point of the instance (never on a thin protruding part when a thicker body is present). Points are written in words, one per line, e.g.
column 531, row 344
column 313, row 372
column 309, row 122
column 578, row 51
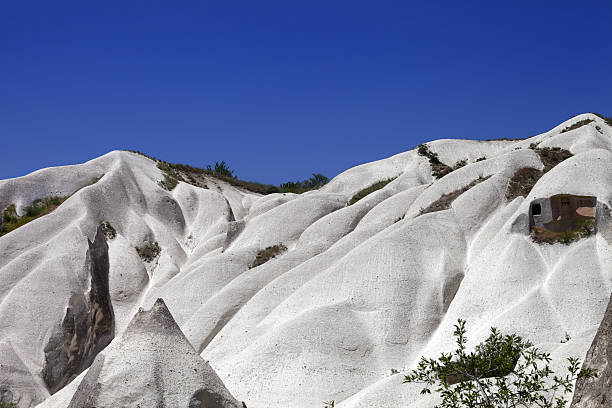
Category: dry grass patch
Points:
column 523, row 180
column 577, row 125
column 369, row 190
column 445, row 201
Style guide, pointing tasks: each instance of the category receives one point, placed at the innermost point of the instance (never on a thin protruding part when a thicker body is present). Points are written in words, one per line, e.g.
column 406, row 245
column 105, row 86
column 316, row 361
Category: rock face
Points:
column 597, row 392
column 88, row 325
column 361, row 289
column 152, row 365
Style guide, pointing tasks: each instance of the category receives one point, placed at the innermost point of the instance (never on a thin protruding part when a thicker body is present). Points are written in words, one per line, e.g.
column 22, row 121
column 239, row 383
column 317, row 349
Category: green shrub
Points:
column 316, row 181
column 264, row 255
column 503, row 371
column 368, row 190
column 149, row 251
column 173, row 173
column 11, row 221
column 221, row 169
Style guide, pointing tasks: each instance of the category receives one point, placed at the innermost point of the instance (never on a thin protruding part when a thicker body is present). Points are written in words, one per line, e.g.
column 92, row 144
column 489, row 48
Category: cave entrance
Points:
column 561, row 214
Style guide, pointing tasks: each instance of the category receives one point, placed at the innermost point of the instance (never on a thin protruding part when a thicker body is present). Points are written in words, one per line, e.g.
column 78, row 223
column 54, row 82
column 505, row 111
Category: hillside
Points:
column 352, row 291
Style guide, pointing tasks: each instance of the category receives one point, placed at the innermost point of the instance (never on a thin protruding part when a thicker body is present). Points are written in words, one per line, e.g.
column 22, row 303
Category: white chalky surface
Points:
column 355, row 295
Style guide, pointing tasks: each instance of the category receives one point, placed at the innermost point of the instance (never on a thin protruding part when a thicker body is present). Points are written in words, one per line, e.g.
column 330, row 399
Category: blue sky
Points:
column 284, row 89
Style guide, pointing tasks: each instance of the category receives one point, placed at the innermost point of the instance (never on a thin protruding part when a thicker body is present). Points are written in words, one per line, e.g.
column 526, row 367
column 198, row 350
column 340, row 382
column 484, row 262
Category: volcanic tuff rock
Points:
column 361, row 289
column 88, row 326
column 152, row 365
column 597, row 392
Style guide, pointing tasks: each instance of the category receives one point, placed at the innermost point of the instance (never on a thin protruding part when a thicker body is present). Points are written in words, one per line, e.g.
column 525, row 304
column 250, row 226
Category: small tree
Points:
column 503, row 371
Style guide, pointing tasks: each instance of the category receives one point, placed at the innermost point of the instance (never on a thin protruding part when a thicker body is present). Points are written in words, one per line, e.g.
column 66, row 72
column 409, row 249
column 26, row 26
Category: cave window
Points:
column 565, row 201
column 536, row 209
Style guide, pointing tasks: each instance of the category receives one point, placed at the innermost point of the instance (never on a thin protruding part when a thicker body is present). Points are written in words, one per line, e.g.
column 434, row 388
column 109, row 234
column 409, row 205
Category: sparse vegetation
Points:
column 608, row 120
column 328, row 404
column 525, row 178
column 149, row 251
column 459, row 164
column 368, row 190
column 12, row 221
column 445, row 201
column 584, row 228
column 7, row 405
column 220, row 169
column 264, row 255
column 399, row 219
column 316, row 181
column 503, row 371
column 173, row 173
column 521, row 182
column 108, row 230
column 438, row 169
column 171, row 176
column 481, row 159
column 577, row 125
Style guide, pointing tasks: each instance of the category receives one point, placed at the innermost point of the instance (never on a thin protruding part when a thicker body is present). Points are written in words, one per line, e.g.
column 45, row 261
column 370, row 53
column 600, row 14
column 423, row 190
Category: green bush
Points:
column 264, row 255
column 39, row 208
column 503, row 371
column 173, row 173
column 368, row 190
column 316, row 181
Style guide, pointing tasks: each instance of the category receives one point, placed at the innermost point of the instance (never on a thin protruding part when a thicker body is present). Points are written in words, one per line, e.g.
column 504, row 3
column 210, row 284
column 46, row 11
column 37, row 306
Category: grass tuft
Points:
column 368, row 190
column 264, row 255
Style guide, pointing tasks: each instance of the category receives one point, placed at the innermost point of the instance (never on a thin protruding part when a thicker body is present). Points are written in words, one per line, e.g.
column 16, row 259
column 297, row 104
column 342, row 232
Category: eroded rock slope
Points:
column 361, row 288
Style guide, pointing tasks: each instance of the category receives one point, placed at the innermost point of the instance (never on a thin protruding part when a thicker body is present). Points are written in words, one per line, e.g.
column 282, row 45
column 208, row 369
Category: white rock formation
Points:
column 359, row 291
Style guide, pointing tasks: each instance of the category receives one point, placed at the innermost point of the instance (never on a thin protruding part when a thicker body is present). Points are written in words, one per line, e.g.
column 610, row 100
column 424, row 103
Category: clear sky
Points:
column 283, row 89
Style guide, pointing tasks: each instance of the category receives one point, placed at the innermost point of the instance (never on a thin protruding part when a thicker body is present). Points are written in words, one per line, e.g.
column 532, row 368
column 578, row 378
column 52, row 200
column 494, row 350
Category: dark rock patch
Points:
column 88, row 325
